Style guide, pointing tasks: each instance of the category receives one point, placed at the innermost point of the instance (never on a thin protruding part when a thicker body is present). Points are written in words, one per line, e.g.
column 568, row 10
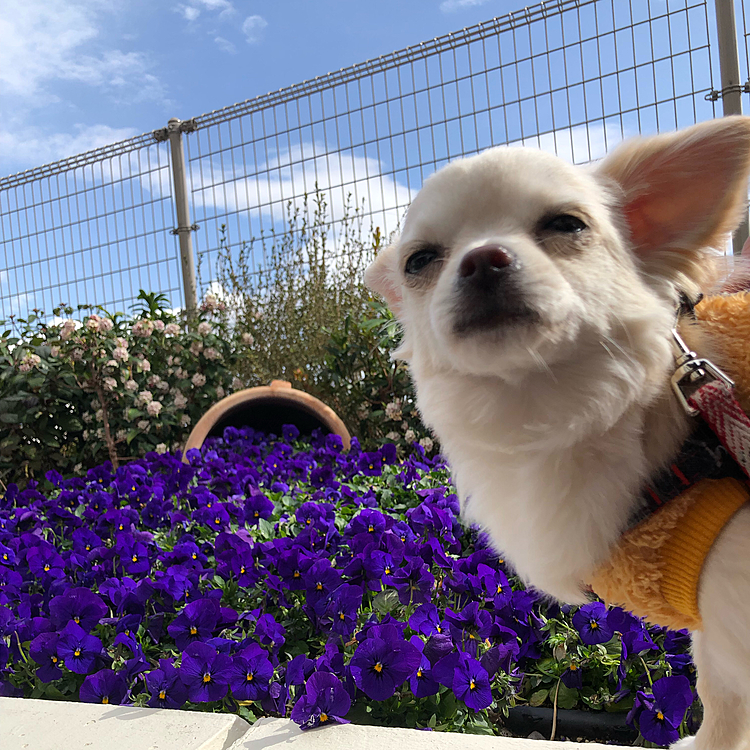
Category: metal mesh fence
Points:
column 92, row 229
column 570, row 76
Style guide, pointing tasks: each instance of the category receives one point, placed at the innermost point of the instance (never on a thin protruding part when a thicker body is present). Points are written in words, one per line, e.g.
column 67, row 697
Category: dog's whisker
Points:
column 538, row 358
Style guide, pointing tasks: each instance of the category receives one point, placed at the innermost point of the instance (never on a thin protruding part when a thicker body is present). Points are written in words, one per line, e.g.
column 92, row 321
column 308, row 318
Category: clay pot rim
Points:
column 278, row 391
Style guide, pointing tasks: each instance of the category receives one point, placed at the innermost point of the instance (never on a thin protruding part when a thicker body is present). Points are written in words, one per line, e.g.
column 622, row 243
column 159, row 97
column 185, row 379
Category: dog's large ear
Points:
column 683, row 191
column 382, row 277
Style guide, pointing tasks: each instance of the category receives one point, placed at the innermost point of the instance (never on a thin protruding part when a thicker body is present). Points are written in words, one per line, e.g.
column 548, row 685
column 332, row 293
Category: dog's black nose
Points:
column 483, row 263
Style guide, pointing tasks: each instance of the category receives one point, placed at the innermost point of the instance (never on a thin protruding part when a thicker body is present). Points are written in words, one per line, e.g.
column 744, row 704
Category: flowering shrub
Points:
column 374, row 394
column 107, row 387
column 274, row 577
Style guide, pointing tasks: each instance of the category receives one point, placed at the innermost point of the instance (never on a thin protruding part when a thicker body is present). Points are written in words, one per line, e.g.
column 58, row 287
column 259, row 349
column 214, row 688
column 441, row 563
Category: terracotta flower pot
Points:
column 267, row 408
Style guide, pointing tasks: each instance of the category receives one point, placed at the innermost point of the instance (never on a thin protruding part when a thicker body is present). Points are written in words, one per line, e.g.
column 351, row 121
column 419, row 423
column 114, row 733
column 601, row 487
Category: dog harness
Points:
column 654, row 570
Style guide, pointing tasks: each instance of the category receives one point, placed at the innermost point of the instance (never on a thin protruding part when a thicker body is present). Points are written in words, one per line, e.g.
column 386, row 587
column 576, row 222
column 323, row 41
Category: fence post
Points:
column 184, row 229
column 731, row 88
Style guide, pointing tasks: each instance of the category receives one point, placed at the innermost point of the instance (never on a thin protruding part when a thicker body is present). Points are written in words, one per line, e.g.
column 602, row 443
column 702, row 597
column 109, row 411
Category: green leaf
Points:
column 539, row 697
column 265, row 527
column 10, row 418
column 567, row 697
column 386, row 601
column 479, row 725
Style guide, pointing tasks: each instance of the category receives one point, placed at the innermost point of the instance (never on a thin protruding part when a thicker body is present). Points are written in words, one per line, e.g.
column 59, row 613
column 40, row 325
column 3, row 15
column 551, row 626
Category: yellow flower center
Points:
column 296, row 573
column 323, row 717
column 256, row 514
column 249, row 676
column 133, row 488
column 217, row 520
column 105, row 699
column 77, row 652
column 319, row 586
column 134, row 558
column 54, row 660
column 371, row 466
column 77, row 620
column 660, row 716
column 472, row 685
column 371, row 528
column 309, row 521
column 46, row 567
column 378, row 667
column 472, row 636
column 207, row 677
column 88, row 548
column 419, row 673
column 499, row 588
column 573, row 667
column 195, row 555
column 594, row 625
column 342, row 616
column 193, row 631
column 162, row 695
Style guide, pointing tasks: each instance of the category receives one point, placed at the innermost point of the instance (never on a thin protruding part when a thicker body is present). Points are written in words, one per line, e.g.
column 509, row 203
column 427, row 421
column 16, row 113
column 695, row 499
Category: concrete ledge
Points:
column 27, row 724
column 279, row 733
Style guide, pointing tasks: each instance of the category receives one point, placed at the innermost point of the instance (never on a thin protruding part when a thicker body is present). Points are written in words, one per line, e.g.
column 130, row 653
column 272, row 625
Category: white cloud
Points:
column 577, row 145
column 295, row 172
column 448, row 6
column 46, row 41
column 225, row 45
column 252, row 28
column 190, row 12
column 32, row 146
column 193, row 9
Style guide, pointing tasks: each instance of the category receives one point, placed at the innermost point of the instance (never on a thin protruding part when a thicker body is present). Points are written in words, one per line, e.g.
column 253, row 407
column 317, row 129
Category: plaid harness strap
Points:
column 723, row 414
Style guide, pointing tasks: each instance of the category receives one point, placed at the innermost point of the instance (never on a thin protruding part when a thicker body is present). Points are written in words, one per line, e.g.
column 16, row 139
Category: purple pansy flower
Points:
column 325, row 701
column 78, row 605
column 205, row 673
column 591, row 622
column 166, row 688
column 660, row 715
column 250, row 674
column 196, row 622
column 471, row 683
column 382, row 662
column 105, row 686
column 78, row 650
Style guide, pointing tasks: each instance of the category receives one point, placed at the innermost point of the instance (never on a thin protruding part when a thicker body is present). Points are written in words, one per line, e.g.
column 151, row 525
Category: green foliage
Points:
column 304, row 290
column 307, row 317
column 75, row 393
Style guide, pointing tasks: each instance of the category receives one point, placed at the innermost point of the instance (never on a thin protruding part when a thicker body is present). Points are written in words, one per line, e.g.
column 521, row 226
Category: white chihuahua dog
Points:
column 537, row 300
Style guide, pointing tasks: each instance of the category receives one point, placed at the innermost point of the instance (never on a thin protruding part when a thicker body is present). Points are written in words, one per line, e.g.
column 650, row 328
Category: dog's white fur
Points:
column 551, row 422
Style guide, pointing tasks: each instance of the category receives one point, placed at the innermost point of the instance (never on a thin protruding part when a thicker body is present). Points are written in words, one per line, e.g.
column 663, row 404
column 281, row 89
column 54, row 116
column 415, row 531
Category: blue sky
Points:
column 77, row 74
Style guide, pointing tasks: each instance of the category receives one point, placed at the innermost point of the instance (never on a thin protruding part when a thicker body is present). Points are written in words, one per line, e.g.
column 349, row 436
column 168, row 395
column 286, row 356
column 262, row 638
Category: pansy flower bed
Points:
column 278, row 577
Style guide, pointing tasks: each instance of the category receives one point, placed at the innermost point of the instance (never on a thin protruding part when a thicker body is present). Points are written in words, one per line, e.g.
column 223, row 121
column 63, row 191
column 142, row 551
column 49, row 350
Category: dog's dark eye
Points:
column 418, row 261
column 565, row 223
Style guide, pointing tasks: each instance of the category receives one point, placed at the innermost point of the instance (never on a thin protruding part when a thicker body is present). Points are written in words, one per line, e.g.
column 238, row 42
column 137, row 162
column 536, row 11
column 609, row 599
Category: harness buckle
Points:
column 691, row 373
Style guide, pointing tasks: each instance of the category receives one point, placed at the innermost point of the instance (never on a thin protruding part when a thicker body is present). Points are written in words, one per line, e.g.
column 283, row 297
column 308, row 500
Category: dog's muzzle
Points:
column 487, row 293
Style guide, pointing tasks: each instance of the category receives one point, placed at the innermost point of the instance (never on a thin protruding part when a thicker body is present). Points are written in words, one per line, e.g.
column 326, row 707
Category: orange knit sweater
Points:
column 655, row 569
